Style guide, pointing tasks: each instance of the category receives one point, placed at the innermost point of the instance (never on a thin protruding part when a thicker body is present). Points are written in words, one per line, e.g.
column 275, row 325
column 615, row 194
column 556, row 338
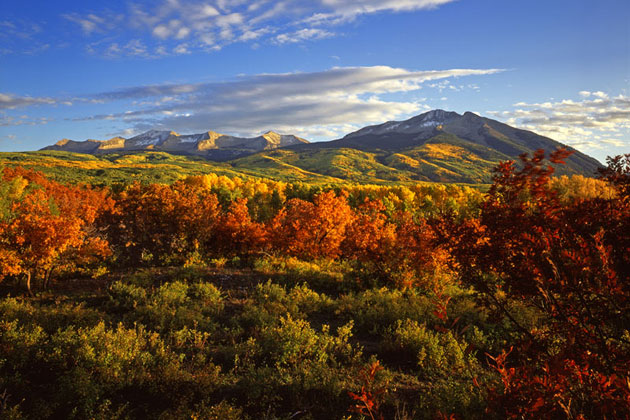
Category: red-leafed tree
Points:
column 569, row 265
column 161, row 224
column 236, row 232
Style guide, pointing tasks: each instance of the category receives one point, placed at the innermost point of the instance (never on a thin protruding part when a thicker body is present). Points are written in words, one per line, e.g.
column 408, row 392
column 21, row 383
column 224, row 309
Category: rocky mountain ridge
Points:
column 210, row 144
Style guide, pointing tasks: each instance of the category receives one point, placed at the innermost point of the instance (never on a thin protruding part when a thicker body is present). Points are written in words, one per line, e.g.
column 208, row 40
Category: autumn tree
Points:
column 567, row 264
column 370, row 234
column 236, row 232
column 160, row 223
column 312, row 230
column 48, row 225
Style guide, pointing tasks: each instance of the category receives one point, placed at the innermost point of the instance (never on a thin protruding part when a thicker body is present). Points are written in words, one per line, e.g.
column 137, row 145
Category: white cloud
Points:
column 252, row 35
column 181, row 49
column 324, row 104
column 20, row 36
column 584, row 123
column 19, row 28
column 92, row 23
column 317, row 102
column 8, row 101
column 303, row 35
column 182, row 33
column 207, row 10
column 614, row 142
column 211, row 25
column 134, row 47
column 232, row 19
column 343, row 10
column 13, row 121
column 162, row 31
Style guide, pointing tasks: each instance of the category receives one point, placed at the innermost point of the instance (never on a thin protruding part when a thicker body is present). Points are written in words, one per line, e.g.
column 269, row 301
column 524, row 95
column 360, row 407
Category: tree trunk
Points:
column 47, row 278
column 28, row 284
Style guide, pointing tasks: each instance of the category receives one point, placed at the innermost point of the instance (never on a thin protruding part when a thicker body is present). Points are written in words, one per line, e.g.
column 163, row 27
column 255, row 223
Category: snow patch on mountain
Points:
column 152, row 137
column 417, row 124
column 192, row 138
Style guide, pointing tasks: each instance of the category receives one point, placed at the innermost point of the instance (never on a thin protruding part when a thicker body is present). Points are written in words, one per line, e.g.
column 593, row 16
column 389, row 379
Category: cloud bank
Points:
column 321, row 104
column 593, row 122
column 326, row 103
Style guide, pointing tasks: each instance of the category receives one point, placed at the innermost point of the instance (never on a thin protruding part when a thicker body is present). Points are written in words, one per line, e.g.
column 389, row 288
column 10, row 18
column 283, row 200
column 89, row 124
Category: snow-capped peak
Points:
column 151, row 137
column 432, row 118
column 416, row 124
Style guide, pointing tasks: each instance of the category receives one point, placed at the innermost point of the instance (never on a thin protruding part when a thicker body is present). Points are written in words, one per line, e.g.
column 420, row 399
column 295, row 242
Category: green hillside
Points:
column 318, row 166
column 115, row 168
column 346, row 164
column 444, row 158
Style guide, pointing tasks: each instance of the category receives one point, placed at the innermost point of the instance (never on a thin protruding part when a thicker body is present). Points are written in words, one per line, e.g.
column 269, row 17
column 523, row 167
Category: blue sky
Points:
column 318, row 69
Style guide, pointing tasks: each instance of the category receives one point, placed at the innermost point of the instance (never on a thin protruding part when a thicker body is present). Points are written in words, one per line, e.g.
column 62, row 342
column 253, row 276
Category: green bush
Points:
column 436, row 353
column 329, row 276
column 172, row 306
column 50, row 317
column 292, row 367
column 270, row 301
column 81, row 372
column 294, row 344
column 126, row 296
column 376, row 310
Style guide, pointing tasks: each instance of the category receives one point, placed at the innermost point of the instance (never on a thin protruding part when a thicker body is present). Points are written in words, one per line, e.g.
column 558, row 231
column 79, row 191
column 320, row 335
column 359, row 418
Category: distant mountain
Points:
column 210, row 144
column 435, row 146
column 438, row 146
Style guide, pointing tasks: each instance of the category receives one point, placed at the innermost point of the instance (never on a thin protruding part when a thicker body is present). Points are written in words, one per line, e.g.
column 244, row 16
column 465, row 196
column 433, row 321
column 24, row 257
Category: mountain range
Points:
column 437, row 146
column 211, row 145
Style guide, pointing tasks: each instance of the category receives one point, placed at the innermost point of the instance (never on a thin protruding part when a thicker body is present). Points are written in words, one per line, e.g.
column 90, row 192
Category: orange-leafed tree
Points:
column 369, row 235
column 420, row 260
column 90, row 245
column 50, row 225
column 312, row 230
column 11, row 190
column 402, row 248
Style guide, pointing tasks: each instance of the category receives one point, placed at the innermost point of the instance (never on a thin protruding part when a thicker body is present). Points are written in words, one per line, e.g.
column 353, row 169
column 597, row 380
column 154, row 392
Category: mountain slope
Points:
column 435, row 146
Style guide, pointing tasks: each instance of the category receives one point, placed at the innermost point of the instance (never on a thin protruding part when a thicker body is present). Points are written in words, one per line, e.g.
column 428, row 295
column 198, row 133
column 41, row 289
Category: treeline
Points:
column 48, row 226
column 546, row 260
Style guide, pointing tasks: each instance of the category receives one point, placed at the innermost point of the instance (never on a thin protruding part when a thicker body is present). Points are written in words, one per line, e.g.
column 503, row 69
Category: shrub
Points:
column 437, row 353
column 170, row 307
column 375, row 310
column 323, row 275
column 291, row 367
column 270, row 301
column 50, row 318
